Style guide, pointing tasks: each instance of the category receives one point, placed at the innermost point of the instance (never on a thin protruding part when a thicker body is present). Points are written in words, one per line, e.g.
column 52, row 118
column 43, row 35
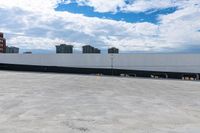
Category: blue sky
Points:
column 150, row 15
column 130, row 25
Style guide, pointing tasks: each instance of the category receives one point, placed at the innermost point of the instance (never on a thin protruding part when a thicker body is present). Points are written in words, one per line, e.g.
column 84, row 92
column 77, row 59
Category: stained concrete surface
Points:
column 61, row 103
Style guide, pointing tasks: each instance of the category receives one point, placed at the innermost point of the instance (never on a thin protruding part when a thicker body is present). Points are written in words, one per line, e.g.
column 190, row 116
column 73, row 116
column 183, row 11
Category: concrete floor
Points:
column 61, row 103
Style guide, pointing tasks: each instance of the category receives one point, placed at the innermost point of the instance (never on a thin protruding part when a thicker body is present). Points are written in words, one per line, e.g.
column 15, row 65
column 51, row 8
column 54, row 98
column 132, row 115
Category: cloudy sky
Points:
column 131, row 25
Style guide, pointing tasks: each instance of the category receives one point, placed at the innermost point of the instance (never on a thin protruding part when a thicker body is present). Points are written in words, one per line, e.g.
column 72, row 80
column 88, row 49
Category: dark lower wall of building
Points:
column 94, row 71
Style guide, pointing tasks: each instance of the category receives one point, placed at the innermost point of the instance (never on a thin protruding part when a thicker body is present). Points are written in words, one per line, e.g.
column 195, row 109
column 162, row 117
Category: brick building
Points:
column 63, row 48
column 12, row 50
column 113, row 50
column 87, row 49
column 2, row 43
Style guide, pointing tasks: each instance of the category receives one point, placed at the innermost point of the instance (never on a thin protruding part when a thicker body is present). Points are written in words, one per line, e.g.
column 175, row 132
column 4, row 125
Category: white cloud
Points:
column 35, row 24
column 102, row 5
column 145, row 5
column 135, row 5
column 40, row 42
column 180, row 28
column 30, row 5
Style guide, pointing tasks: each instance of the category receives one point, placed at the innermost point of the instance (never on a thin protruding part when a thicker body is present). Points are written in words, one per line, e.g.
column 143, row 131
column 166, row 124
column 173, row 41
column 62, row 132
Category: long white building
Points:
column 171, row 65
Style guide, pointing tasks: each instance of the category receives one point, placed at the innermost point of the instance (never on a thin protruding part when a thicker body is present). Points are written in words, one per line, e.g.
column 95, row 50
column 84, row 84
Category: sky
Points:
column 130, row 25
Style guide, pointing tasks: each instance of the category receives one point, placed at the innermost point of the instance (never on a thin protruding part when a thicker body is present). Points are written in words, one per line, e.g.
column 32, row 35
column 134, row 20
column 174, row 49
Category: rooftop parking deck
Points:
column 62, row 103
